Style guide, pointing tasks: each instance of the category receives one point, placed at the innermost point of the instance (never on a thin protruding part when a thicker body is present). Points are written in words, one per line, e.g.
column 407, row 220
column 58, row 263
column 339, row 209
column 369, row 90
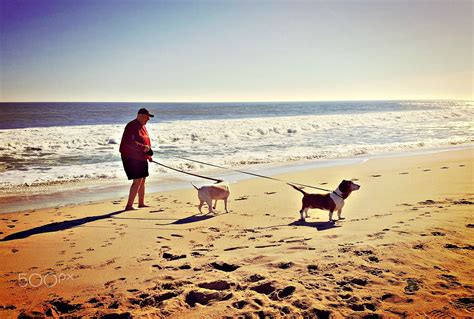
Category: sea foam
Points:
column 71, row 153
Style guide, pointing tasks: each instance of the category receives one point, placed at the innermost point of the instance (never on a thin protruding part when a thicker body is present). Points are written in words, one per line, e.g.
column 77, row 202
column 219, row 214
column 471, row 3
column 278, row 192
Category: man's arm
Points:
column 130, row 143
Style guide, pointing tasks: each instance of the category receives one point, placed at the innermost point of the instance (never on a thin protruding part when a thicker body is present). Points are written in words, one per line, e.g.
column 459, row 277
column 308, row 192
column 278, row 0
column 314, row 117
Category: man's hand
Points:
column 147, row 148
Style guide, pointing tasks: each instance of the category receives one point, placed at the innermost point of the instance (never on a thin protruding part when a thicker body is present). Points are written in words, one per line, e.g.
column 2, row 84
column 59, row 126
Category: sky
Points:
column 216, row 51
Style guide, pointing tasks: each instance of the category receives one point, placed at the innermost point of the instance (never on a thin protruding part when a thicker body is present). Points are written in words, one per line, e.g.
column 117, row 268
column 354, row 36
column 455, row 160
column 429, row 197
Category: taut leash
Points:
column 181, row 171
column 253, row 174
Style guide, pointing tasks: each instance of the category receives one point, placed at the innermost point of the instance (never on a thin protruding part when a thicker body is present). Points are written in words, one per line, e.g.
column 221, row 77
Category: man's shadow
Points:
column 318, row 225
column 57, row 226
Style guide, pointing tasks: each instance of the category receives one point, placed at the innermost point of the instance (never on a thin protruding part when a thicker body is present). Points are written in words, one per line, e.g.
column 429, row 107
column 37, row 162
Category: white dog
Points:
column 215, row 191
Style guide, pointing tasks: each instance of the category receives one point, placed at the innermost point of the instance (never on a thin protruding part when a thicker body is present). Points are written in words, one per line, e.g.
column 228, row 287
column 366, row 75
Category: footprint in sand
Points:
column 413, row 285
column 403, row 173
column 426, row 170
column 285, row 265
column 216, row 285
column 270, row 193
column 438, row 313
column 242, row 198
column 196, row 254
column 235, row 248
column 171, row 257
column 444, row 167
column 241, row 304
column 223, row 266
column 267, row 246
column 465, row 303
column 313, row 269
column 450, row 282
column 377, row 175
column 437, row 233
column 204, row 297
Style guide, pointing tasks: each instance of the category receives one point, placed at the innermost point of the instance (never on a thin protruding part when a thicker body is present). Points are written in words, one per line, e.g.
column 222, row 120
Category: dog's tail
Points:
column 194, row 186
column 297, row 188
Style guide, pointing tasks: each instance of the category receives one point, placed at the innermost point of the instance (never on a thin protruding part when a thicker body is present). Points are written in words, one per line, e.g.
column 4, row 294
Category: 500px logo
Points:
column 48, row 279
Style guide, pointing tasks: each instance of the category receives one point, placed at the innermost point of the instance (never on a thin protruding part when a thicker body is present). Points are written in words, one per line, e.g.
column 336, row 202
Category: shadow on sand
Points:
column 58, row 226
column 186, row 220
column 318, row 225
column 194, row 219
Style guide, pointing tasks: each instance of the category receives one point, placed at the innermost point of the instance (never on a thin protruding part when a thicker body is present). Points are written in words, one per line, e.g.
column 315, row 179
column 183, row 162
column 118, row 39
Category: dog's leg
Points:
column 225, row 205
column 209, row 204
column 301, row 213
column 215, row 204
column 339, row 212
column 200, row 205
column 330, row 215
column 306, row 212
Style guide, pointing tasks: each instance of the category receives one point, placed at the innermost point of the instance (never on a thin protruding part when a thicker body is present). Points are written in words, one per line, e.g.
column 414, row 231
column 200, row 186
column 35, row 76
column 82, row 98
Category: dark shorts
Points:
column 135, row 168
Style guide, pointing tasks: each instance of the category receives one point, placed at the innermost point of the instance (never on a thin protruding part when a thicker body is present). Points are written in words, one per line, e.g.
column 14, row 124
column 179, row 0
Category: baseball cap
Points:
column 145, row 111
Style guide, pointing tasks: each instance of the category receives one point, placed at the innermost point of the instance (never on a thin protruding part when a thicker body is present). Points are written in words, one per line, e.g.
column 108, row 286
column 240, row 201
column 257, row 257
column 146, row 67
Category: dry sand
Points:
column 404, row 250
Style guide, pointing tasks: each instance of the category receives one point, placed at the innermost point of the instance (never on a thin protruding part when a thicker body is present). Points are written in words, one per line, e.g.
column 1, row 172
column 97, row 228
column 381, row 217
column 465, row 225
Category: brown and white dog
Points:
column 207, row 193
column 332, row 202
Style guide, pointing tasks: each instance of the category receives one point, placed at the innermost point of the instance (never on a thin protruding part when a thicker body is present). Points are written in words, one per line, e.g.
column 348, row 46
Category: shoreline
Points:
column 87, row 191
column 55, row 195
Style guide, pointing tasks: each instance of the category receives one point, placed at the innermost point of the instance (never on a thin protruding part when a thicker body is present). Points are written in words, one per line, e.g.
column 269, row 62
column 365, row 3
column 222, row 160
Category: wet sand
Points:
column 403, row 250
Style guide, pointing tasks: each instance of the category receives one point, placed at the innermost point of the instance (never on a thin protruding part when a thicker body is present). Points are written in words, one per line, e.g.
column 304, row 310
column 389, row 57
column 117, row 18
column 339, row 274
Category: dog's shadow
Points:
column 195, row 218
column 318, row 225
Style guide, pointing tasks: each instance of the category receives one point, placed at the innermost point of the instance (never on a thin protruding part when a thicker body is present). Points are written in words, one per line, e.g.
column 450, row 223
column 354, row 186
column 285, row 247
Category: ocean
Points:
column 65, row 143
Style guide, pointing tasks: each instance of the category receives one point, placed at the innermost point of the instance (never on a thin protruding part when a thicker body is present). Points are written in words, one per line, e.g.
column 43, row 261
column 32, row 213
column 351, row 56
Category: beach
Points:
column 403, row 249
column 295, row 105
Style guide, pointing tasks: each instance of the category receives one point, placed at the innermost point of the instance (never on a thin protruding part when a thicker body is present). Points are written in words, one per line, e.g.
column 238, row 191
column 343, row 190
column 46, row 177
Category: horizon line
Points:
column 255, row 101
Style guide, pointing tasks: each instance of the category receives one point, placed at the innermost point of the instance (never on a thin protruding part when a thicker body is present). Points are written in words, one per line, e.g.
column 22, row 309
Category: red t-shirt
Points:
column 134, row 139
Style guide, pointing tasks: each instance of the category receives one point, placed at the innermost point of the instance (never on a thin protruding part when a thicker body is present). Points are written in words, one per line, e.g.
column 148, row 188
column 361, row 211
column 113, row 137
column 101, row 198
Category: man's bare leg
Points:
column 134, row 189
column 141, row 194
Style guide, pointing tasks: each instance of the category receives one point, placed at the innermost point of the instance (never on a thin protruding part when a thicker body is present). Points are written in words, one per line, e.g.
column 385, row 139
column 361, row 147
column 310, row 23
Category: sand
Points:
column 404, row 250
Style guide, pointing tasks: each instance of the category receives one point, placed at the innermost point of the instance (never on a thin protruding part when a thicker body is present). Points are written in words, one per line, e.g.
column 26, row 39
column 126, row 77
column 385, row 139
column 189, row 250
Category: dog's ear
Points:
column 345, row 186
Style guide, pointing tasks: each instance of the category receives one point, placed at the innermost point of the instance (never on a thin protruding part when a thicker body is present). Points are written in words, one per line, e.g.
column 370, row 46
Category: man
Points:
column 135, row 149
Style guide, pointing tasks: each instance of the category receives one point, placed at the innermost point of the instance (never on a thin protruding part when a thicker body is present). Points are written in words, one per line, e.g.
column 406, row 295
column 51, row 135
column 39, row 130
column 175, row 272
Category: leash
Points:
column 178, row 170
column 253, row 174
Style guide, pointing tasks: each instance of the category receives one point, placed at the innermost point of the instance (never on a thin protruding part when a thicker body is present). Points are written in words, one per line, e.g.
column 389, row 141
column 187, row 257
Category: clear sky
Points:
column 104, row 50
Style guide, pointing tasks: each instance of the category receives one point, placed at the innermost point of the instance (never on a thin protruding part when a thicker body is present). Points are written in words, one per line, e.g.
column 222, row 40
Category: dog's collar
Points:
column 338, row 193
